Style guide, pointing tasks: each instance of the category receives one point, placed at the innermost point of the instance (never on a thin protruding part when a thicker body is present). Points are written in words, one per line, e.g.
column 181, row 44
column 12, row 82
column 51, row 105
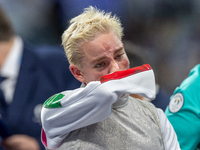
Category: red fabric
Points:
column 44, row 139
column 125, row 73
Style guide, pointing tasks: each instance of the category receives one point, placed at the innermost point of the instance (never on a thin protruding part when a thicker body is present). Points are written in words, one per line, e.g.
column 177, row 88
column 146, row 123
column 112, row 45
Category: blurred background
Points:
column 166, row 33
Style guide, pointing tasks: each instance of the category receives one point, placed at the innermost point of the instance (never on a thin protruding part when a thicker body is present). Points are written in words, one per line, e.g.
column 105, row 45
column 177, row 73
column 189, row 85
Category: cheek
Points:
column 94, row 77
column 124, row 64
column 98, row 77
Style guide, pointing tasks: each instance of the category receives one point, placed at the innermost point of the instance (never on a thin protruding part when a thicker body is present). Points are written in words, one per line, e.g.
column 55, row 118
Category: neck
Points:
column 5, row 47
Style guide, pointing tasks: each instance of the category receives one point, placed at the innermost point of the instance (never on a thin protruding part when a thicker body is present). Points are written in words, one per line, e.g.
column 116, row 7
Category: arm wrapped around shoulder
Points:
column 71, row 110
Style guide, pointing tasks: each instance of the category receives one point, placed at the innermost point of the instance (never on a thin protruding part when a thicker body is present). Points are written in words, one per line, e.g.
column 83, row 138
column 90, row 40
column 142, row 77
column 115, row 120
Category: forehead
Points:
column 103, row 43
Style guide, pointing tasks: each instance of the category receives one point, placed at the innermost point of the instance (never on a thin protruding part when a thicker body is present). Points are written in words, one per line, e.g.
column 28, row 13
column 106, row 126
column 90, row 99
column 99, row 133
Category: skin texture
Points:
column 104, row 55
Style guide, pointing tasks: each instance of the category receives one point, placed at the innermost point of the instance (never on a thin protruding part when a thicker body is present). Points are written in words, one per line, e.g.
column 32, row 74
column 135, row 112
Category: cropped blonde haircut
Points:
column 86, row 27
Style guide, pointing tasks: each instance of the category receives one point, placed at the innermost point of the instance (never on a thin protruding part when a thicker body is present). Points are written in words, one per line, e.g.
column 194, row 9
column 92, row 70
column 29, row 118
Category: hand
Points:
column 20, row 142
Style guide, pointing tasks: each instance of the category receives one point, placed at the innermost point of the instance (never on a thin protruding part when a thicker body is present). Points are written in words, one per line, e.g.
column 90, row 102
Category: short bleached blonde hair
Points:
column 85, row 27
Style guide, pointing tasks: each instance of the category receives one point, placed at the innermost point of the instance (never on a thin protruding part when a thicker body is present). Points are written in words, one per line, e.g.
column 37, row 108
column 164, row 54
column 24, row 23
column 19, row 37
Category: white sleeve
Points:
column 168, row 133
column 71, row 110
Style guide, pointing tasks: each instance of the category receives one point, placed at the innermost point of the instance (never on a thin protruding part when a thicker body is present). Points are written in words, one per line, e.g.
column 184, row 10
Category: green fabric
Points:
column 186, row 121
column 54, row 101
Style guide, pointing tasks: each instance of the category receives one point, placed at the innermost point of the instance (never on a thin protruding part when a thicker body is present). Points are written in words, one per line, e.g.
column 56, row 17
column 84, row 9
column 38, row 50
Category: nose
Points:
column 113, row 67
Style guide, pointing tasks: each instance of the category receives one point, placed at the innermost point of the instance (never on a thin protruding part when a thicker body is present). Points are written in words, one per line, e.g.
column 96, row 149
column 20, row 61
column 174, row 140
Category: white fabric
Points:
column 168, row 133
column 10, row 69
column 92, row 104
column 85, row 106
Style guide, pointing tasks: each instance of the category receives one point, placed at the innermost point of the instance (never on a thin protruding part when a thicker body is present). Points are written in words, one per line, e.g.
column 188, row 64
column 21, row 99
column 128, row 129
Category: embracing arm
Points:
column 71, row 110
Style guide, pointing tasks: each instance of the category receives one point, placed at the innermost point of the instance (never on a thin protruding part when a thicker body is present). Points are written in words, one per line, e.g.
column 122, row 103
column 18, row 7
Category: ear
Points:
column 77, row 73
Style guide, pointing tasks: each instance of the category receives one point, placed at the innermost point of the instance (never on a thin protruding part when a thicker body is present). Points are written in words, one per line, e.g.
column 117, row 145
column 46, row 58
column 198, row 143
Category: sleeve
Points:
column 4, row 129
column 186, row 122
column 184, row 115
column 168, row 133
column 71, row 110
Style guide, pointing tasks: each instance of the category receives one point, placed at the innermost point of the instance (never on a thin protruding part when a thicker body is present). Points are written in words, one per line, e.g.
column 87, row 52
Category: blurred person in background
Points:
column 5, row 132
column 29, row 75
column 184, row 111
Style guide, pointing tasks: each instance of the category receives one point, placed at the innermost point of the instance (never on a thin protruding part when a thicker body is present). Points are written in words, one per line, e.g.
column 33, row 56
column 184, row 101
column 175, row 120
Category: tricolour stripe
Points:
column 122, row 74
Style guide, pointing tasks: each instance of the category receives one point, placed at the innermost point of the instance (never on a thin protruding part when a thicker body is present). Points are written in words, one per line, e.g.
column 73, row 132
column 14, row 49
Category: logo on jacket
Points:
column 176, row 103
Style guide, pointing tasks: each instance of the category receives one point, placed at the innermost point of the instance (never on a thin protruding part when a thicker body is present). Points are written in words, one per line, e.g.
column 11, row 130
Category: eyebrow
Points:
column 118, row 50
column 103, row 57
